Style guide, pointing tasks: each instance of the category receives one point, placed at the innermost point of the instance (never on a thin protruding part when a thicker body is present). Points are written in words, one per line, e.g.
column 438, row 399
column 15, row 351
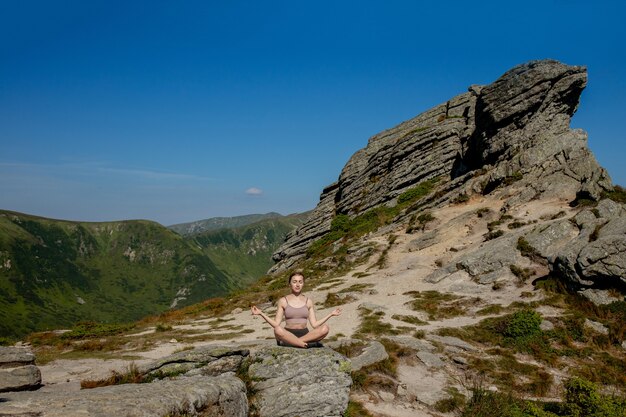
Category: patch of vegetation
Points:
column 357, row 288
column 416, row 193
column 160, row 327
column 333, row 300
column 516, row 224
column 372, row 324
column 439, row 305
column 351, row 349
column 419, row 222
column 356, row 409
column 90, row 329
column 131, row 376
column 345, row 228
column 522, row 274
column 514, row 177
column 482, row 212
column 490, row 309
column 581, row 398
column 461, row 198
column 409, row 319
column 618, row 194
column 493, row 235
column 528, row 251
column 454, row 402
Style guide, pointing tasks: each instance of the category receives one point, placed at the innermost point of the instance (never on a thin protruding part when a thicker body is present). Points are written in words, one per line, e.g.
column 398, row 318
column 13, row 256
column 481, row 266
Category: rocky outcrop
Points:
column 17, row 370
column 215, row 396
column 588, row 250
column 296, row 382
column 209, row 381
column 515, row 130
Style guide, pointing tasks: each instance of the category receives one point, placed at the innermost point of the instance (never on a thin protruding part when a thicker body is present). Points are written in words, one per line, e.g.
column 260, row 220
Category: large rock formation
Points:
column 514, row 130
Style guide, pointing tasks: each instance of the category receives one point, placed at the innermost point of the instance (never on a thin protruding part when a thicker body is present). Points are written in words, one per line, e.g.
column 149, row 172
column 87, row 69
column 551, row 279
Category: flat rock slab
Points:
column 19, row 379
column 453, row 342
column 11, row 357
column 17, row 370
column 300, row 382
column 373, row 352
column 214, row 360
column 223, row 396
column 430, row 359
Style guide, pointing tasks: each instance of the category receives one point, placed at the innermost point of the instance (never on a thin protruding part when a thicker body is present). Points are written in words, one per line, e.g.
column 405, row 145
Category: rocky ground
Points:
column 409, row 262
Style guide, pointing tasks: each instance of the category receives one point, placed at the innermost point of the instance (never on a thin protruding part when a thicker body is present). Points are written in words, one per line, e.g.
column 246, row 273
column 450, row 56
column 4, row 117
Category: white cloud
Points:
column 254, row 191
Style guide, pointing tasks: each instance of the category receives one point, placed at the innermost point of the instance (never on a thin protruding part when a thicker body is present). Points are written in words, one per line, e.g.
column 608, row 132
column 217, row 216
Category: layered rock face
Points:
column 17, row 370
column 516, row 127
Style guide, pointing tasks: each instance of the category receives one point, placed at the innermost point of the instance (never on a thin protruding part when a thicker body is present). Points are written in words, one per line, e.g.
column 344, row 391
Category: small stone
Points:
column 430, row 359
column 173, row 341
column 460, row 360
column 546, row 326
column 597, row 327
column 386, row 396
column 237, row 311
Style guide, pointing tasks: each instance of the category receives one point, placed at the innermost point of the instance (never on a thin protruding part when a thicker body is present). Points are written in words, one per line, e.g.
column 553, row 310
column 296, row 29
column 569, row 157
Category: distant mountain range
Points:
column 216, row 223
column 54, row 273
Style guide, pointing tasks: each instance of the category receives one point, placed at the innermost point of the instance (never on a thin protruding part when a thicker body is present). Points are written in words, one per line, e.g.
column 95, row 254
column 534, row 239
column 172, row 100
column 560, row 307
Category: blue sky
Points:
column 179, row 111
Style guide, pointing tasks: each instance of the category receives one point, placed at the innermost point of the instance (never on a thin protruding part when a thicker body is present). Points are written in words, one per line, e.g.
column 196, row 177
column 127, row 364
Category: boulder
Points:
column 299, row 382
column 596, row 256
column 372, row 353
column 17, row 370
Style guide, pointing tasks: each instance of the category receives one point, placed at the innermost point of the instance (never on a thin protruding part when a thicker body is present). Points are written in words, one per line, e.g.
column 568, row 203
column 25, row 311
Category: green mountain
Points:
column 216, row 223
column 54, row 273
column 245, row 253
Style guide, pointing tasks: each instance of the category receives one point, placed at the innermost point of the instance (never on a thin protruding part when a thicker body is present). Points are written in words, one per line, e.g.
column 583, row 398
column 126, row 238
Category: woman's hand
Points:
column 255, row 310
column 335, row 312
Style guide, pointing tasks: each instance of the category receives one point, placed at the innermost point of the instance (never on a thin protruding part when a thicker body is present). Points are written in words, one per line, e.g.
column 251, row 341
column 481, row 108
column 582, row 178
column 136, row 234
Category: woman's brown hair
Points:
column 293, row 274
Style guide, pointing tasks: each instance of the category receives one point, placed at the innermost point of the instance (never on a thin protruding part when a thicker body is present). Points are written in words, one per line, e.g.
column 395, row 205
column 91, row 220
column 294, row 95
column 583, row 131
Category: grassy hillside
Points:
column 55, row 273
column 245, row 253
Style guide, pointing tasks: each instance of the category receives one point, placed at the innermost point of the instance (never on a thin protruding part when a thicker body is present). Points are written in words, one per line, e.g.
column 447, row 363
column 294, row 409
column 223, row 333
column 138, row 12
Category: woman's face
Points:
column 296, row 283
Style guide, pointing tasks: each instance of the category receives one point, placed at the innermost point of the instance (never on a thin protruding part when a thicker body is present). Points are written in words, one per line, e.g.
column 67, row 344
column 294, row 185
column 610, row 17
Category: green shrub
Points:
column 583, row 399
column 415, row 193
column 493, row 235
column 522, row 324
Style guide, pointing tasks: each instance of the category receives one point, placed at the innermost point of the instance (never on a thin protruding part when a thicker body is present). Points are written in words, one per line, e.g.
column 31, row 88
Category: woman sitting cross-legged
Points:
column 297, row 309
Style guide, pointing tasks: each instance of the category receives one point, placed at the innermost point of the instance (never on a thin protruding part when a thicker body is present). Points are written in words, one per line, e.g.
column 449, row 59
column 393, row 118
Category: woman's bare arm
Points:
column 313, row 320
column 279, row 314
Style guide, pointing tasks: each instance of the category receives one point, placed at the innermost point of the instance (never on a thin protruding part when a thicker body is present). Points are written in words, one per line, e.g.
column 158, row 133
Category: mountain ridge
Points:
column 54, row 273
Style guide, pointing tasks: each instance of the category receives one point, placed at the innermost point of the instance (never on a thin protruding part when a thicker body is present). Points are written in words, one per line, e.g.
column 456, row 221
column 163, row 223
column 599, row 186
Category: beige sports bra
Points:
column 296, row 315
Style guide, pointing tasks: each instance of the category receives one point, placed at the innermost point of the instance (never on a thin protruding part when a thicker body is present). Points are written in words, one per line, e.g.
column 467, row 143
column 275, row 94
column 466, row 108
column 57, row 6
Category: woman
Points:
column 297, row 309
